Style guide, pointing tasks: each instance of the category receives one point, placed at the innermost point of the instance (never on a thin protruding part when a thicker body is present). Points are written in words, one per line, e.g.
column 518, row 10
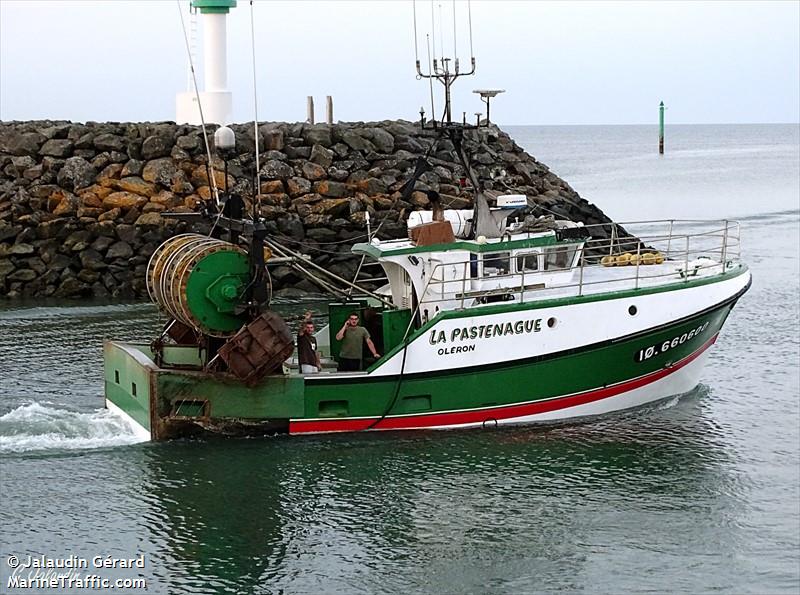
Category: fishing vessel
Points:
column 489, row 316
column 486, row 320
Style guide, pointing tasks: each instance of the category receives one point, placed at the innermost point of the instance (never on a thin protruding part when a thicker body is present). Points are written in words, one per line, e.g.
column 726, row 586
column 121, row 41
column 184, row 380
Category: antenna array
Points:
column 440, row 67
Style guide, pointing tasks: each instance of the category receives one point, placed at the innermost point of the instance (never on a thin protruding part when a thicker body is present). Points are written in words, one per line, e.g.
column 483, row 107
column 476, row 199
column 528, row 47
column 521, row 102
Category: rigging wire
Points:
column 430, row 78
column 257, row 193
column 211, row 178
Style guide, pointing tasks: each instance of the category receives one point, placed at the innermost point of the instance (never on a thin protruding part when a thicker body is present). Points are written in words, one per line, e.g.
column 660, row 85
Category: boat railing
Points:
column 689, row 248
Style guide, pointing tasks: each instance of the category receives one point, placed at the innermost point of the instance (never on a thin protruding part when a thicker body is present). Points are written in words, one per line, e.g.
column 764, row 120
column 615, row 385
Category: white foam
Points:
column 668, row 403
column 36, row 427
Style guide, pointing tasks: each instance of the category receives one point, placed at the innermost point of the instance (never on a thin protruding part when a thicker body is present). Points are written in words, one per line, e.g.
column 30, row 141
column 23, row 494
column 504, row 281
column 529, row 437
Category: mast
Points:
column 441, row 68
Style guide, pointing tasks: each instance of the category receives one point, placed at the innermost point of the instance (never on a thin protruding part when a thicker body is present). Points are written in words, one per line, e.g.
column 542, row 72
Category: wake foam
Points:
column 36, row 427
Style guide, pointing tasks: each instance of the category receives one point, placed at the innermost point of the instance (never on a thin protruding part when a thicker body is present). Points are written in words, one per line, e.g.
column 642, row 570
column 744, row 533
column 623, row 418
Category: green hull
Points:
column 171, row 402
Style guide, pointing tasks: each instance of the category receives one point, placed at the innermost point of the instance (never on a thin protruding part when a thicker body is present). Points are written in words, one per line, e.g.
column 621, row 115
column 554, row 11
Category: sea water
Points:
column 695, row 494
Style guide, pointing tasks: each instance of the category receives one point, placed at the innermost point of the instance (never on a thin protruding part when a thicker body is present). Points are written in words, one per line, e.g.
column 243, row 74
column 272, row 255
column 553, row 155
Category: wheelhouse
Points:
column 469, row 273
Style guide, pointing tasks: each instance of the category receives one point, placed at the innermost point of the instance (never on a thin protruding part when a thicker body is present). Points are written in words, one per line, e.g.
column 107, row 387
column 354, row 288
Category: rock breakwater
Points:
column 81, row 204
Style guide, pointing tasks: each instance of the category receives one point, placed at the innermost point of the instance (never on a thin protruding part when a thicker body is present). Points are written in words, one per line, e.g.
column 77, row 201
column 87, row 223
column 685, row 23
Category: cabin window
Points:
column 558, row 258
column 528, row 262
column 497, row 263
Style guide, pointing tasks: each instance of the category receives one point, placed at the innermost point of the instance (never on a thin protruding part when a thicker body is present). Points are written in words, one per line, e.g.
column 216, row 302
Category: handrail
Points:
column 719, row 245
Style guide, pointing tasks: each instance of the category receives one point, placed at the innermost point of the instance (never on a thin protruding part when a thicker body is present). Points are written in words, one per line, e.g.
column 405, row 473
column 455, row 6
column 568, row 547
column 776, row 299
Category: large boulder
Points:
column 154, row 147
column 57, row 148
column 76, row 173
column 298, row 186
column 273, row 139
column 108, row 142
column 124, row 200
column 356, row 142
column 383, row 141
column 318, row 134
column 321, row 156
column 334, row 207
column 119, row 250
column 332, row 189
column 137, row 185
column 276, row 170
column 160, row 171
column 312, row 171
column 26, row 143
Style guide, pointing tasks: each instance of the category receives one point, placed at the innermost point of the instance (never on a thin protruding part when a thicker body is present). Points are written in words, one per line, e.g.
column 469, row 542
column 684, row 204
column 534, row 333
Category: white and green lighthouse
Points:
column 216, row 99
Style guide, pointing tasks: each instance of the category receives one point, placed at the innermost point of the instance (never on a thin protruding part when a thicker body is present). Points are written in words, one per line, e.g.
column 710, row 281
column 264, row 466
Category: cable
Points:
column 397, row 385
column 393, row 402
column 212, row 179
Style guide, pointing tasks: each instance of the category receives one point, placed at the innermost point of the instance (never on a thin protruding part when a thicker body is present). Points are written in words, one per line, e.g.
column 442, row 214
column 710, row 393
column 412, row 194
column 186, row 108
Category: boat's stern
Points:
column 128, row 375
column 180, row 398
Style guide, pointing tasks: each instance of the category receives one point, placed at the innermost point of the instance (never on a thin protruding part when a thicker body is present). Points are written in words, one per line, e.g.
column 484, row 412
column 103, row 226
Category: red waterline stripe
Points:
column 454, row 418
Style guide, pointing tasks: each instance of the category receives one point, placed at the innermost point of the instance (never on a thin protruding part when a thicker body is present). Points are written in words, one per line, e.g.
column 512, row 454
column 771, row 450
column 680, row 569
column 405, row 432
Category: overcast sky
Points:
column 559, row 62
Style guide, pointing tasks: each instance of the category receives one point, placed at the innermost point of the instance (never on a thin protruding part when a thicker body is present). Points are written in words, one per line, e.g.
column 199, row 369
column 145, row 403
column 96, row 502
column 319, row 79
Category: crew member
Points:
column 307, row 354
column 353, row 337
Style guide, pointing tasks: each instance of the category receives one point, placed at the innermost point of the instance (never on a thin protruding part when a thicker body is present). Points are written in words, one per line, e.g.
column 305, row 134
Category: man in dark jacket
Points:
column 307, row 354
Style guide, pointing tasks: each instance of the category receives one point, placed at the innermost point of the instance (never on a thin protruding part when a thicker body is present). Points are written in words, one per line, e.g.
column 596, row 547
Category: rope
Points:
column 211, row 179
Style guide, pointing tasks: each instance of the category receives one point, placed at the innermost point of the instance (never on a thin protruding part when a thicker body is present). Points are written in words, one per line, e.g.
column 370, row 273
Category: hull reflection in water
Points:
column 348, row 512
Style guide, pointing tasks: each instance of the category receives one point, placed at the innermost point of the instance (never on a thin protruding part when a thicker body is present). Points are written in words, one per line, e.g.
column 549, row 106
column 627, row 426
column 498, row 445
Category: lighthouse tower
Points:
column 216, row 99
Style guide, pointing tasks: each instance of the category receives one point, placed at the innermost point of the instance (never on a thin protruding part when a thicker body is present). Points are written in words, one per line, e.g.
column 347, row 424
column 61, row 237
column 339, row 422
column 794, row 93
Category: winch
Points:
column 200, row 281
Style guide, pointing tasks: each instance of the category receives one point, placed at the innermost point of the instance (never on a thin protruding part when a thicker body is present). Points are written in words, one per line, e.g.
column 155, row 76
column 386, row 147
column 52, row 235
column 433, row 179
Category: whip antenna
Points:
column 469, row 13
column 211, row 178
column 441, row 69
column 257, row 192
column 455, row 43
column 430, row 80
column 416, row 43
column 433, row 28
column 441, row 36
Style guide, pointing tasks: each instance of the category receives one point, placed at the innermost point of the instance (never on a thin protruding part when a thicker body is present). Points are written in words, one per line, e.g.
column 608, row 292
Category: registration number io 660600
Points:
column 654, row 350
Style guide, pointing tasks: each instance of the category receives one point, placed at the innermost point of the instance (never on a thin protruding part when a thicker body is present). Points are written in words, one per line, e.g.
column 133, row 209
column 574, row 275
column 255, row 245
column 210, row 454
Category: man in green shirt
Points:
column 352, row 337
